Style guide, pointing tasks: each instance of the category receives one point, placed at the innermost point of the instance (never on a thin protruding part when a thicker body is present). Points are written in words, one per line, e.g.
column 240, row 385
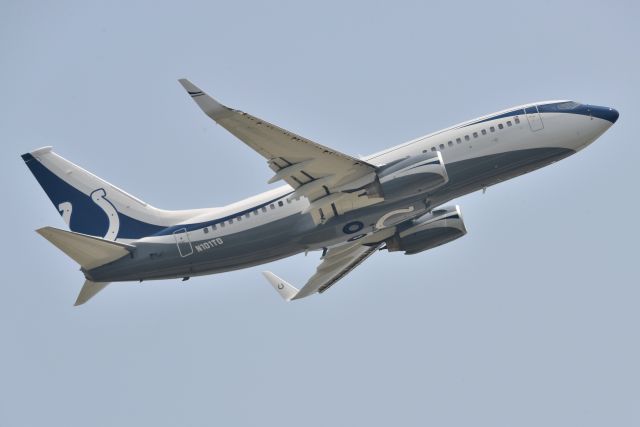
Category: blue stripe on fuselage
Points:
column 556, row 107
column 199, row 225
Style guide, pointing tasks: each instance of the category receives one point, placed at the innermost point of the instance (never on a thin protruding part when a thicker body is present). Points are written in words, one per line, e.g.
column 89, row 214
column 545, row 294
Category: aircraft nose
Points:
column 606, row 113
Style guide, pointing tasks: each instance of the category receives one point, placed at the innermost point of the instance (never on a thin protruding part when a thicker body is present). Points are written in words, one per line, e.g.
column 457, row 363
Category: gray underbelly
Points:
column 294, row 234
column 272, row 241
column 470, row 175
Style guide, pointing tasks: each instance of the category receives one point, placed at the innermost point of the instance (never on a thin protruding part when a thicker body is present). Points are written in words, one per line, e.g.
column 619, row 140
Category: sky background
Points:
column 531, row 319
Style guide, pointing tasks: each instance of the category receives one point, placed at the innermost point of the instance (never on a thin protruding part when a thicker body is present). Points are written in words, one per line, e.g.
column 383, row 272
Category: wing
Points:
column 336, row 263
column 334, row 183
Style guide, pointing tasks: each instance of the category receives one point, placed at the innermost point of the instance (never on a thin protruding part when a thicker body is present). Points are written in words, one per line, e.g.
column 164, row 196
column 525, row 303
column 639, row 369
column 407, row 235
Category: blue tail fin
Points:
column 90, row 205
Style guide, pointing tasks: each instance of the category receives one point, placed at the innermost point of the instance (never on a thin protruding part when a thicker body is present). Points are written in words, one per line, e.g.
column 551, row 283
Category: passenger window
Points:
column 466, row 137
column 450, row 143
column 517, row 120
column 206, row 230
column 247, row 215
column 458, row 140
column 280, row 203
column 239, row 218
column 508, row 122
column 222, row 224
column 475, row 134
column 231, row 221
column 272, row 206
column 264, row 209
column 442, row 146
column 433, row 148
column 484, row 131
column 213, row 227
column 424, row 151
column 500, row 126
column 255, row 212
column 492, row 129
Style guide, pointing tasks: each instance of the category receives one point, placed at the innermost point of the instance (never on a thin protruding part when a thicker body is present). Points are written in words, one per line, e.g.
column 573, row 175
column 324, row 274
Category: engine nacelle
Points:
column 436, row 228
column 417, row 174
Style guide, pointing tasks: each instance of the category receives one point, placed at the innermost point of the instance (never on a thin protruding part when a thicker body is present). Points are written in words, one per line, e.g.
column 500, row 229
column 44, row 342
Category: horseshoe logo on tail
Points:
column 99, row 197
column 65, row 209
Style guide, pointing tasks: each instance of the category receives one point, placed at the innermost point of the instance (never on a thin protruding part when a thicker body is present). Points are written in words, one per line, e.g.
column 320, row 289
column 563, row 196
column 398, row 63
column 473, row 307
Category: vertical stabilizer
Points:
column 92, row 206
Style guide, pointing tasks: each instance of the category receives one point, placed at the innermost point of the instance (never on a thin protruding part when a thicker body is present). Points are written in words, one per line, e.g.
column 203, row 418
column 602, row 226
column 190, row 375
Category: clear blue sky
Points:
column 531, row 319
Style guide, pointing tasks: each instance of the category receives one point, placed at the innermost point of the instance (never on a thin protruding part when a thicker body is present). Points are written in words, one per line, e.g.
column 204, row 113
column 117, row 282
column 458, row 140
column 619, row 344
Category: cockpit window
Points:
column 568, row 105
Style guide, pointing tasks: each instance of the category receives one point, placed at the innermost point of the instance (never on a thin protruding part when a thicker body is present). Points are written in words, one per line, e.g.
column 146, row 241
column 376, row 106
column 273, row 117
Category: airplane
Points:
column 346, row 207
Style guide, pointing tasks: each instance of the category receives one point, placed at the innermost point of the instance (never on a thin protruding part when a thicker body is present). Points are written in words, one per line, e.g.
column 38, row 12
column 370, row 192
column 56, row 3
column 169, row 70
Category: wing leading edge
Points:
column 334, row 183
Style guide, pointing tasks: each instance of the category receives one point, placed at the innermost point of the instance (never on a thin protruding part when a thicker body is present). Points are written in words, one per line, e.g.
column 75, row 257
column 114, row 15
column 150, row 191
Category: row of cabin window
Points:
column 450, row 144
column 247, row 215
column 475, row 134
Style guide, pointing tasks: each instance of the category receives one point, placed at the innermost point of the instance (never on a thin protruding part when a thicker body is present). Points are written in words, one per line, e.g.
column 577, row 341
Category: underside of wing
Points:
column 337, row 262
column 334, row 268
column 334, row 183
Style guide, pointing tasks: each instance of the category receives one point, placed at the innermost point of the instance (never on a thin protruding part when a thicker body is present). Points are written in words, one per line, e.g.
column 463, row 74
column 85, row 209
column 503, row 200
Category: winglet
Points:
column 210, row 106
column 286, row 290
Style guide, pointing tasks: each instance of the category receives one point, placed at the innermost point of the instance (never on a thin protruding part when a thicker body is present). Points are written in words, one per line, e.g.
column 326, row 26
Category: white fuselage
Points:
column 457, row 143
column 269, row 226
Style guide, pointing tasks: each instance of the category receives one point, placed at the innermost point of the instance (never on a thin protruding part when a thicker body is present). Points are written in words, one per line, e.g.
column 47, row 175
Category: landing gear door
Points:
column 534, row 118
column 183, row 242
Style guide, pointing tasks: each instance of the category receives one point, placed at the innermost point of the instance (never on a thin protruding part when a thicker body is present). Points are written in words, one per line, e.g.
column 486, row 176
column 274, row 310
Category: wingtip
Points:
column 286, row 290
column 190, row 87
column 207, row 104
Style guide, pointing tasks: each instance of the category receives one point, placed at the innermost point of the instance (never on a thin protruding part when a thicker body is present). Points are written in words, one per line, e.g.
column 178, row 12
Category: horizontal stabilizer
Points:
column 88, row 251
column 89, row 290
column 286, row 290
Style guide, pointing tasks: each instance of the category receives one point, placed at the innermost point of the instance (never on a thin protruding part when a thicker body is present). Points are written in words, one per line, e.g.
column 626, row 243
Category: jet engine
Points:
column 436, row 228
column 417, row 174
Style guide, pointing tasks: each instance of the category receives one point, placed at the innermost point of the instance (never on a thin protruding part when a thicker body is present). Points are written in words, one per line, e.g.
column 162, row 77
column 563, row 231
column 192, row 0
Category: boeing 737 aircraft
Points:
column 346, row 207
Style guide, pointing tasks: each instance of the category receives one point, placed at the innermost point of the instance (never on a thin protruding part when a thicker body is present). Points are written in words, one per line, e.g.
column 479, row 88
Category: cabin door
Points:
column 184, row 244
column 533, row 116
